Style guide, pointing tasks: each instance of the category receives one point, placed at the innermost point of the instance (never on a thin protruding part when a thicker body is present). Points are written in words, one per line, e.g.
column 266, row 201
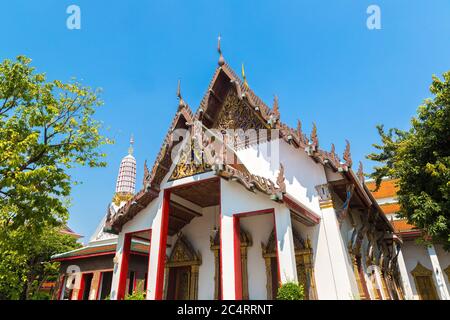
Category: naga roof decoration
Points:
column 314, row 138
column 347, row 155
column 218, row 93
column 254, row 182
column 360, row 173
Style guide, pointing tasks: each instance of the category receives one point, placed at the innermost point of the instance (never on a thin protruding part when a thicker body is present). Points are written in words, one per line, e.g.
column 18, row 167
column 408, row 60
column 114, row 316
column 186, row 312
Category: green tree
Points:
column 27, row 265
column 291, row 291
column 46, row 129
column 420, row 159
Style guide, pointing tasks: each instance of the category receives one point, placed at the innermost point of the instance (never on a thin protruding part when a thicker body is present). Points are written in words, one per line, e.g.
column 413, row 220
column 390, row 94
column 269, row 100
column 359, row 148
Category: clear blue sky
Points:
column 317, row 56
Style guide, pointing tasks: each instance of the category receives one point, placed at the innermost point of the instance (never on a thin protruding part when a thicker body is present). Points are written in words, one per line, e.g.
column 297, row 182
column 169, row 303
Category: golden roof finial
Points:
column 221, row 59
column 180, row 98
column 244, row 77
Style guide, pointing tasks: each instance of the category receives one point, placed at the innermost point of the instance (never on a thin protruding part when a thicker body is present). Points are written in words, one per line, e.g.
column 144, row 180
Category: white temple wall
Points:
column 259, row 227
column 144, row 219
column 414, row 253
column 301, row 172
column 444, row 261
column 198, row 233
column 236, row 200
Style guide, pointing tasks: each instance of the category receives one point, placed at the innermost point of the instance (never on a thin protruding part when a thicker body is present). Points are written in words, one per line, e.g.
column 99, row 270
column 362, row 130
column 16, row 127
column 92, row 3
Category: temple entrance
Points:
column 181, row 272
column 423, row 279
column 246, row 241
column 179, row 283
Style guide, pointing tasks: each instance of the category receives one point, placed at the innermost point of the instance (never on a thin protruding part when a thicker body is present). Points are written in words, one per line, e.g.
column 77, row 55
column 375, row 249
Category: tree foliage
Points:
column 46, row 128
column 420, row 159
column 27, row 262
column 290, row 291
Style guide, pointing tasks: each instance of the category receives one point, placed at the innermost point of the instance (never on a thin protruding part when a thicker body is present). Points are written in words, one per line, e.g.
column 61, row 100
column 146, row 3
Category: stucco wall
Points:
column 259, row 228
column 413, row 254
column 301, row 172
column 198, row 233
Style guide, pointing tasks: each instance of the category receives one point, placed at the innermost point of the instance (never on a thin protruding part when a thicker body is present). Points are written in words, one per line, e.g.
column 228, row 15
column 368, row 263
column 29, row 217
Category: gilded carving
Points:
column 235, row 114
column 190, row 163
column 184, row 255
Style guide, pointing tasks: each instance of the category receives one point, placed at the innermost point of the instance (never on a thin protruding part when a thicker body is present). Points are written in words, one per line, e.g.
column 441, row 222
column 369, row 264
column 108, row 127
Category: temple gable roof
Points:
column 225, row 85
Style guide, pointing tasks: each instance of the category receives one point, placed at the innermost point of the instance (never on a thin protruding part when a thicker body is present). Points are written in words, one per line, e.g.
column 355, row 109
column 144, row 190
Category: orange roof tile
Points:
column 386, row 190
column 390, row 207
column 403, row 226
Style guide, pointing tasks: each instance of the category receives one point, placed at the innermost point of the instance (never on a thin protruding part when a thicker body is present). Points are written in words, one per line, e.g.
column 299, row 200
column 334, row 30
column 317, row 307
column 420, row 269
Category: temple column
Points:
column 404, row 274
column 156, row 266
column 437, row 274
column 120, row 270
column 230, row 257
column 285, row 246
column 336, row 249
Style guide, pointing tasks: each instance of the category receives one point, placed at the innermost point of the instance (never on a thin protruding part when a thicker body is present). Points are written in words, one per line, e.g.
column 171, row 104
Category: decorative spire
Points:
column 126, row 179
column 130, row 149
column 244, row 77
column 347, row 155
column 181, row 102
column 276, row 108
column 299, row 129
column 314, row 138
column 221, row 61
column 333, row 154
column 360, row 172
column 280, row 179
column 146, row 174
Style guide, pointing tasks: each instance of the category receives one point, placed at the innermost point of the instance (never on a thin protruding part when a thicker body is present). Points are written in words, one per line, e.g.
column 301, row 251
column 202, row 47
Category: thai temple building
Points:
column 425, row 269
column 264, row 206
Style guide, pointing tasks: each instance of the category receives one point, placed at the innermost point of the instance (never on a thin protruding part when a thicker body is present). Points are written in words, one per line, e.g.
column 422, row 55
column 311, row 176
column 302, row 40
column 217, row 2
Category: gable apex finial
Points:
column 221, row 61
column 180, row 98
column 244, row 77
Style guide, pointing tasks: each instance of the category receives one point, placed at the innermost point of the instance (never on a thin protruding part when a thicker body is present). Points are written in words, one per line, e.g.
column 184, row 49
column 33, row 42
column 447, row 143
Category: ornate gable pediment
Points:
column 420, row 270
column 183, row 254
column 191, row 162
column 236, row 114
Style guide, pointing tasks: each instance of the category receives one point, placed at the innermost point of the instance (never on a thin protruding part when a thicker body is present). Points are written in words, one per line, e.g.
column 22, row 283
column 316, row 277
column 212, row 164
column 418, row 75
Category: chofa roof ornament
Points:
column 347, row 155
column 181, row 102
column 221, row 61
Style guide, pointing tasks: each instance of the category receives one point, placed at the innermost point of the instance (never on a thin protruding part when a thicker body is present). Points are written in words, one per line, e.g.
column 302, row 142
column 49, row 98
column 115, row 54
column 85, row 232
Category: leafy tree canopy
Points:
column 420, row 159
column 46, row 128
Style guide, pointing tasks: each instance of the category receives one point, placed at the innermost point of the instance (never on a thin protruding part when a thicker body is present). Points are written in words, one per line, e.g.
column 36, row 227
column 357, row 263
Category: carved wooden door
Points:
column 425, row 288
column 179, row 283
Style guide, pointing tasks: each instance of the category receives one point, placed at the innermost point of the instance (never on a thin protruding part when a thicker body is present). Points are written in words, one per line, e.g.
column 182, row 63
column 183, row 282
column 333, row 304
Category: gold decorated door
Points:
column 179, row 283
column 425, row 288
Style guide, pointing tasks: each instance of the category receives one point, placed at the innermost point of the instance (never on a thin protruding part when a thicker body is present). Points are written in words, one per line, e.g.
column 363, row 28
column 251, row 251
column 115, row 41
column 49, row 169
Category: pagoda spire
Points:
column 221, row 61
column 130, row 148
column 126, row 179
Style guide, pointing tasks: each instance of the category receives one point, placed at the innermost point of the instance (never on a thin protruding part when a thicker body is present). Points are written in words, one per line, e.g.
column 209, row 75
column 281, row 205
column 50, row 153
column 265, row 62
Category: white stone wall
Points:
column 259, row 227
column 414, row 253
